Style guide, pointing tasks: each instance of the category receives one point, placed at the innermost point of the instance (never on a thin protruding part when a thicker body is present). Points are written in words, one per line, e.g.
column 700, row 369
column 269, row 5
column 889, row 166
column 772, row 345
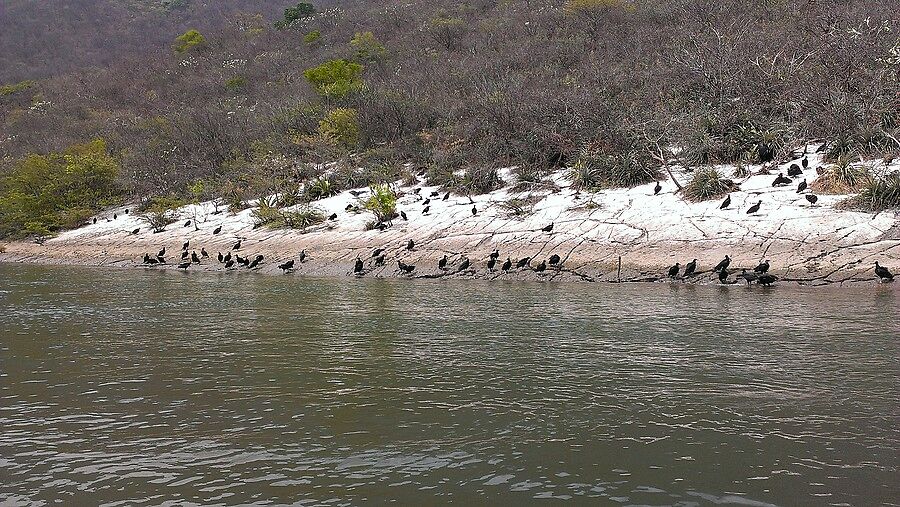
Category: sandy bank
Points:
column 807, row 244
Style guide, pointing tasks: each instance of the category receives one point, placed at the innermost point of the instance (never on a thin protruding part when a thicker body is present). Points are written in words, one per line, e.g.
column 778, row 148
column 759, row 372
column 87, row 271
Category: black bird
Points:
column 379, row 261
column 521, row 263
column 245, row 261
column 160, row 259
column 749, row 277
column 184, row 265
column 794, row 170
column 673, row 271
column 426, row 202
column 348, row 207
column 723, row 276
column 766, row 279
column 657, row 188
column 406, row 268
column 151, row 261
column 443, row 262
column 194, row 258
column 146, row 258
column 115, row 216
column 753, row 209
column 723, row 264
column 333, row 216
column 227, row 257
column 781, row 180
column 495, row 254
column 403, row 215
column 229, row 264
column 220, row 258
column 410, row 244
column 464, row 265
column 126, row 211
column 474, row 210
column 203, row 253
column 883, row 274
column 446, row 196
column 217, row 230
column 435, row 193
column 541, row 267
column 802, row 186
column 812, row 198
column 287, row 266
column 425, row 211
column 237, row 246
column 239, row 259
column 302, row 256
column 726, row 203
column 554, row 260
column 506, row 265
column 356, row 193
column 377, row 252
column 187, row 224
column 162, row 253
column 95, row 220
column 255, row 263
column 690, row 268
column 259, row 258
column 186, row 245
column 548, row 228
column 805, row 162
column 491, row 263
column 184, row 255
column 763, row 267
column 136, row 231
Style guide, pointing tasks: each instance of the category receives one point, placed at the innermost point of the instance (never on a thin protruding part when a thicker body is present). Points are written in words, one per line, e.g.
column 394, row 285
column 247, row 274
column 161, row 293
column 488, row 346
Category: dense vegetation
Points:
column 253, row 103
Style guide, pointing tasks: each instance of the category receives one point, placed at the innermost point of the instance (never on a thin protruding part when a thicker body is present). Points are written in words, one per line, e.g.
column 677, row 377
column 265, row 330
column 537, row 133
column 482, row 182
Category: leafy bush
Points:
column 878, row 193
column 47, row 193
column 708, row 184
column 312, row 37
column 366, row 48
column 480, row 179
column 300, row 11
column 189, row 40
column 320, row 188
column 335, row 78
column 341, row 125
column 382, row 202
column 236, row 83
column 617, row 170
column 840, row 178
column 268, row 214
column 584, row 176
column 10, row 89
column 159, row 211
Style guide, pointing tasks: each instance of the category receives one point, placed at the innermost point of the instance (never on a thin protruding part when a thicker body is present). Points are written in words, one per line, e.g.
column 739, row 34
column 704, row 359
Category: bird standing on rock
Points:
column 491, row 263
column 523, row 262
column 442, row 264
column 410, row 245
column 186, row 245
column 227, row 257
column 287, row 266
column 403, row 215
column 237, row 246
column 406, row 268
column 673, row 271
column 726, row 203
column 229, row 264
column 464, row 265
column 723, row 276
column 541, row 267
column 657, row 188
column 187, row 224
column 358, row 266
column 495, row 254
column 781, row 180
column 162, row 253
column 749, row 277
column 194, row 258
column 426, row 210
column 548, row 228
column 219, row 257
column 217, row 230
column 763, row 267
column 690, row 268
column 302, row 256
column 184, row 255
column 506, row 265
column 203, row 253
column 812, row 198
column 446, row 196
column 805, row 162
column 766, row 279
column 723, row 264
column 883, row 274
column 377, row 252
column 426, row 202
column 793, row 171
column 753, row 209
column 554, row 260
column 474, row 210
column 333, row 216
column 184, row 265
column 135, row 231
column 801, row 187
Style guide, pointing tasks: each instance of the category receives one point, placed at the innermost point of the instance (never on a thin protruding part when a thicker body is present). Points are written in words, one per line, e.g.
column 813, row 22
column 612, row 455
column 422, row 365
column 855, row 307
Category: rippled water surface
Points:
column 147, row 388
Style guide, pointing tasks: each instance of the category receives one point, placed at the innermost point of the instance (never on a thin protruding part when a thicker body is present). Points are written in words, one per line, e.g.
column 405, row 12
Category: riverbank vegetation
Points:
column 253, row 99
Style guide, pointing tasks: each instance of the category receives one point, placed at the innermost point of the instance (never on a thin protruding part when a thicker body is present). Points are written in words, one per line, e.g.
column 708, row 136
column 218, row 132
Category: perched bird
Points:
column 802, row 186
column 146, row 258
column 333, row 216
column 723, row 276
column 186, row 245
column 657, row 188
column 126, row 211
column 184, row 265
column 673, row 271
column 348, row 207
column 749, row 277
column 237, row 246
column 219, row 257
column 794, row 170
column 723, row 264
column 446, row 196
column 506, row 265
column 690, row 268
column 239, row 259
column 406, row 268
column 403, row 215
column 521, row 263
column 762, row 267
column 766, row 279
column 136, row 231
column 184, row 255
column 187, row 224
column 491, row 263
column 781, row 180
column 203, row 253
column 474, row 210
column 217, row 230
column 426, row 210
column 883, row 274
column 377, row 252
column 410, row 244
column 302, row 256
column 753, row 209
column 287, row 266
column 151, row 261
column 229, row 264
column 442, row 264
column 95, row 220
column 805, row 162
column 162, row 253
column 726, row 203
column 160, row 259
column 541, row 267
column 554, row 260
column 194, row 258
column 253, row 264
column 812, row 198
column 495, row 254
column 435, row 193
column 379, row 261
column 115, row 216
column 426, row 202
column 548, row 228
column 464, row 265
column 227, row 257
column 259, row 258
column 356, row 193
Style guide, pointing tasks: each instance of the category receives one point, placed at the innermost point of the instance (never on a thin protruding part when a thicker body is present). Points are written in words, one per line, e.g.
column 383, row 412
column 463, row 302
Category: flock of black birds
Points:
column 781, row 180
column 760, row 274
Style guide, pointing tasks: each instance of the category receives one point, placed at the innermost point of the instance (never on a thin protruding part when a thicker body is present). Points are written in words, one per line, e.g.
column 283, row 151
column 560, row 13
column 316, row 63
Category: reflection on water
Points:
column 133, row 388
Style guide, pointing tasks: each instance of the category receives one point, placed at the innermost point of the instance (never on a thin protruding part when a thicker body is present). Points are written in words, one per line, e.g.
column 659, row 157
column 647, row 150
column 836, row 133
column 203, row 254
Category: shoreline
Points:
column 805, row 244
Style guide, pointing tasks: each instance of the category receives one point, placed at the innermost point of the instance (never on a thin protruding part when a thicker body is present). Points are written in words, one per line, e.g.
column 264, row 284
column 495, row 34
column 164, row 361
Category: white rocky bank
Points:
column 805, row 243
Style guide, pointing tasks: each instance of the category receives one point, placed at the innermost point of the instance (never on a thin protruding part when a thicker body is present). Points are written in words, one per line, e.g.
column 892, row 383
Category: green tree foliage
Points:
column 383, row 203
column 367, row 48
column 335, row 78
column 10, row 89
column 300, row 11
column 189, row 40
column 341, row 126
column 312, row 38
column 47, row 193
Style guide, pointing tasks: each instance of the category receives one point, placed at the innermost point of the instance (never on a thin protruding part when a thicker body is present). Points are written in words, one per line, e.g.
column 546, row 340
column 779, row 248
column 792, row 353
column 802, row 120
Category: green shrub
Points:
column 382, row 202
column 21, row 86
column 584, row 176
column 189, row 40
column 300, row 11
column 715, row 139
column 320, row 188
column 366, row 48
column 48, row 193
column 840, row 178
column 236, row 83
column 864, row 139
column 618, row 169
column 268, row 214
column 707, row 184
column 341, row 126
column 878, row 193
column 312, row 38
column 335, row 78
column 480, row 180
column 159, row 211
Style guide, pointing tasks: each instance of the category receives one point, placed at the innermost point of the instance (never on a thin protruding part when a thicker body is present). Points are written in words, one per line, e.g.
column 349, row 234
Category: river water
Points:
column 135, row 387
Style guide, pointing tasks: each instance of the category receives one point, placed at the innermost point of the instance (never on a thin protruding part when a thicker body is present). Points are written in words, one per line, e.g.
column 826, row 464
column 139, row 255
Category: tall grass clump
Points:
column 623, row 169
column 707, row 184
column 382, row 203
column 840, row 178
column 878, row 193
